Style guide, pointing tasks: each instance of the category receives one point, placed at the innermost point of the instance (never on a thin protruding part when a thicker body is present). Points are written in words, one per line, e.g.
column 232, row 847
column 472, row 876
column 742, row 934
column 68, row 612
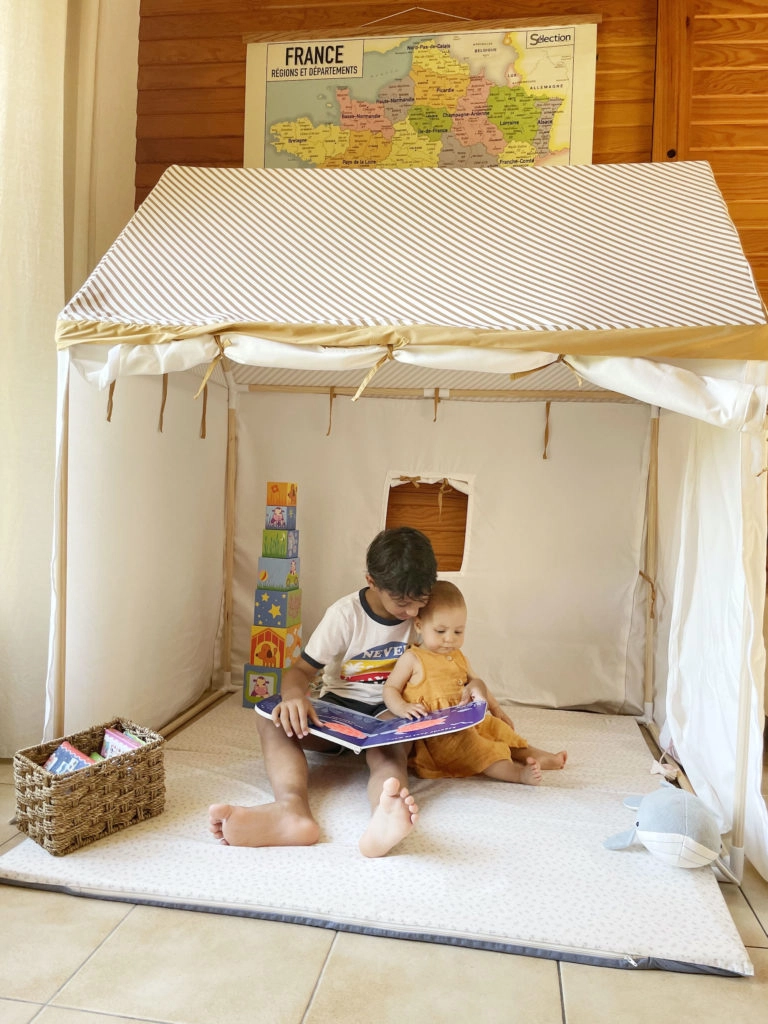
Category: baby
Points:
column 436, row 675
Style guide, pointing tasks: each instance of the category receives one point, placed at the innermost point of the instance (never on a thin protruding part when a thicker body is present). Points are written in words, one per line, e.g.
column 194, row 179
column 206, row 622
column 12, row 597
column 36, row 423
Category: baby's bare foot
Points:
column 530, row 772
column 263, row 825
column 552, row 762
column 547, row 761
column 392, row 820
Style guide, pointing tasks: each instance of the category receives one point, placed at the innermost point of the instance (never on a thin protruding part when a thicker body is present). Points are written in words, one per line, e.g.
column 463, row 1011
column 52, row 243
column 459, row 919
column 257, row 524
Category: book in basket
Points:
column 359, row 732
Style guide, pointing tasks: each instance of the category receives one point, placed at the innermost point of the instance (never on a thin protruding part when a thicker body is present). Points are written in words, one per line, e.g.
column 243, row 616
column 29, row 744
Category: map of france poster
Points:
column 492, row 97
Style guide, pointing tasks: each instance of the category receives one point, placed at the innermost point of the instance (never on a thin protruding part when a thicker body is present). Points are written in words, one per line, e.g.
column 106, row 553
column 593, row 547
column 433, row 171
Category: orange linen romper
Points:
column 456, row 755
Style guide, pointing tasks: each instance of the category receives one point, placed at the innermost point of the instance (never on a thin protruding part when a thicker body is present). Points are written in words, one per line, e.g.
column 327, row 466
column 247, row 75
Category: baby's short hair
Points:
column 442, row 595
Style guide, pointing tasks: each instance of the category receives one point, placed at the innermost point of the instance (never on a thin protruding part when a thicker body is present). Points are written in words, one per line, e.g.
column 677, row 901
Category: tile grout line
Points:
column 318, row 980
column 763, row 926
column 96, row 1014
column 96, row 948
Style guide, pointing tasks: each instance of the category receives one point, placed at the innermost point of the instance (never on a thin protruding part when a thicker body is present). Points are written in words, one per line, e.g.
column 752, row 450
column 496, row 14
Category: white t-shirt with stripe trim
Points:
column 356, row 649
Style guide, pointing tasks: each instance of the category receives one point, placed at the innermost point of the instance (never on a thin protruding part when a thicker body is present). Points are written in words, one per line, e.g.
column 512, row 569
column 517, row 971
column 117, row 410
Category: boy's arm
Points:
column 393, row 689
column 295, row 711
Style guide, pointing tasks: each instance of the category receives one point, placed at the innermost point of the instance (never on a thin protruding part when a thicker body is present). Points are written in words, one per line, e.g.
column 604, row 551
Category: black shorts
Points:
column 355, row 705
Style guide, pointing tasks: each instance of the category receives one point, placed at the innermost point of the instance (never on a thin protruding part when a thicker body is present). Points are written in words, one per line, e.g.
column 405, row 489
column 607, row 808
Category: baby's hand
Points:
column 413, row 711
column 474, row 690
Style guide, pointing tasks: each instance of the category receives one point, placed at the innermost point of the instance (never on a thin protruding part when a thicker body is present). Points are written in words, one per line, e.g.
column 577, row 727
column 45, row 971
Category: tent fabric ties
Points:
column 577, row 375
column 221, row 345
column 445, row 486
column 110, row 400
column 652, row 584
column 205, row 408
column 547, row 406
column 521, row 374
column 162, row 402
column 331, row 396
column 389, row 354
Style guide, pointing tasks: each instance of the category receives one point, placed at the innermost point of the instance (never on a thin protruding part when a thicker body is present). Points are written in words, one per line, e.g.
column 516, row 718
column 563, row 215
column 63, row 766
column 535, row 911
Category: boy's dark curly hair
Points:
column 401, row 561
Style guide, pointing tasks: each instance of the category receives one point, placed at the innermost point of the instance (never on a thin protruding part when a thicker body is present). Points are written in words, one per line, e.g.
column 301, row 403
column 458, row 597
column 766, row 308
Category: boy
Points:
column 356, row 644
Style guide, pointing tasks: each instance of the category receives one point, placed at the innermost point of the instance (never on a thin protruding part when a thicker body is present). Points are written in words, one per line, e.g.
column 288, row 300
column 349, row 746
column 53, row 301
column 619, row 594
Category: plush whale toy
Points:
column 675, row 826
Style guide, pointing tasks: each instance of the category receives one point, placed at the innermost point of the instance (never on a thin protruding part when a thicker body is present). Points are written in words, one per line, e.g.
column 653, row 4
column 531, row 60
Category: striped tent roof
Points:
column 632, row 259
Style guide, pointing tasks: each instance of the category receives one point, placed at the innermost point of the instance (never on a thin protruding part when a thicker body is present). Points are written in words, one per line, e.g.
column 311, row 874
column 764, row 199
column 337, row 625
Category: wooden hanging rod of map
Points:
column 384, row 28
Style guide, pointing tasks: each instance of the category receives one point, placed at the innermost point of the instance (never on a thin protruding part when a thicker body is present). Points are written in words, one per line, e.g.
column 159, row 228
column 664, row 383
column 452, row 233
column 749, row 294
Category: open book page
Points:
column 358, row 731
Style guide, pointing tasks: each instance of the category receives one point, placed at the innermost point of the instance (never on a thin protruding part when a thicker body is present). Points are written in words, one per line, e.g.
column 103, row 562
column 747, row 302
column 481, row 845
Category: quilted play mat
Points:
column 491, row 865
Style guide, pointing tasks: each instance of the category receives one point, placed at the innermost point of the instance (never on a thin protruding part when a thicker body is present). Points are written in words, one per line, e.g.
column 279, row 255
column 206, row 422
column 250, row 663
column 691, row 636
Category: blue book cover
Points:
column 358, row 732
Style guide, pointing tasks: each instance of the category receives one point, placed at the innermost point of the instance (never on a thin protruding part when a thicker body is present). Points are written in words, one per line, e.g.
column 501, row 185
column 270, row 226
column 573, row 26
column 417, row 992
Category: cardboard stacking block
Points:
column 281, row 493
column 272, row 647
column 280, row 543
column 280, row 517
column 278, row 574
column 278, row 608
column 259, row 682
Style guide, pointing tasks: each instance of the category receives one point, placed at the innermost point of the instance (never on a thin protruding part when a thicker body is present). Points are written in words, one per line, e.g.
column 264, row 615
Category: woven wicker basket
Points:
column 67, row 811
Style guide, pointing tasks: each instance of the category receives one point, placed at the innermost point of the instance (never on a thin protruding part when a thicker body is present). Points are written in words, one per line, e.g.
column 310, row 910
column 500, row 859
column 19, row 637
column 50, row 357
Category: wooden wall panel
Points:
column 676, row 79
column 727, row 113
column 192, row 68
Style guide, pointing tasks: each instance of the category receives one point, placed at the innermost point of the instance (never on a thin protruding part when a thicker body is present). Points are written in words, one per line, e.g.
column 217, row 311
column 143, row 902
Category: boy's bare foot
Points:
column 392, row 820
column 263, row 825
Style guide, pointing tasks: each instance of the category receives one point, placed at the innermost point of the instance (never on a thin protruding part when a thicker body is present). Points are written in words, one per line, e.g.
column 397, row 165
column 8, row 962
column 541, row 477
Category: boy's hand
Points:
column 294, row 716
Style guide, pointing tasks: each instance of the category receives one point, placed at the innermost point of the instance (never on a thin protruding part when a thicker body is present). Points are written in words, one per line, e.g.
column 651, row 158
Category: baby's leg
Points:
column 288, row 820
column 547, row 761
column 394, row 810
column 528, row 774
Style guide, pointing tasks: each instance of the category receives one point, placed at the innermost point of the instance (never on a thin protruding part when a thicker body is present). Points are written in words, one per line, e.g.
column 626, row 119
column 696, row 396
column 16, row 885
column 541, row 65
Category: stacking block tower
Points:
column 276, row 630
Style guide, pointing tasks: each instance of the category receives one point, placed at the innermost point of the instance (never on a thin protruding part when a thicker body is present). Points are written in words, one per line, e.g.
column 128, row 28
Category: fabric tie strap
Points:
column 162, row 403
column 389, row 354
column 652, row 584
column 331, row 396
column 221, row 345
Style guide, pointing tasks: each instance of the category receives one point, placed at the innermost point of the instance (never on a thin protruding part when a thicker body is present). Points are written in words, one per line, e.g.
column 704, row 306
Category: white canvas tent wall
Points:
column 621, row 290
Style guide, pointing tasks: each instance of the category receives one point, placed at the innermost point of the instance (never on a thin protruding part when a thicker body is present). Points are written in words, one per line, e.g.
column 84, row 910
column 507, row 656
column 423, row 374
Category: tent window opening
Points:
column 438, row 510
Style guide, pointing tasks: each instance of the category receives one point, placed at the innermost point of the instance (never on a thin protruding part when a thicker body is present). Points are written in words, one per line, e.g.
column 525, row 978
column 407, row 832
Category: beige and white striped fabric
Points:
column 633, row 259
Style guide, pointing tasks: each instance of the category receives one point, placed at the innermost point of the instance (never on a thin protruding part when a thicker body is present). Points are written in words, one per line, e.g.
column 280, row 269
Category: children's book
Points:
column 66, row 758
column 117, row 742
column 358, row 732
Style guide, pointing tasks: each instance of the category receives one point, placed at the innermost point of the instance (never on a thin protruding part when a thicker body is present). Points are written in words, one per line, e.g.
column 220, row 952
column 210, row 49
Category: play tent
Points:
column 582, row 350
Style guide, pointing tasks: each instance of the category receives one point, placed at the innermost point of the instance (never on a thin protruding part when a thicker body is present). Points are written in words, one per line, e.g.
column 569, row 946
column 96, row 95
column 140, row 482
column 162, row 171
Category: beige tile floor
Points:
column 66, row 960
